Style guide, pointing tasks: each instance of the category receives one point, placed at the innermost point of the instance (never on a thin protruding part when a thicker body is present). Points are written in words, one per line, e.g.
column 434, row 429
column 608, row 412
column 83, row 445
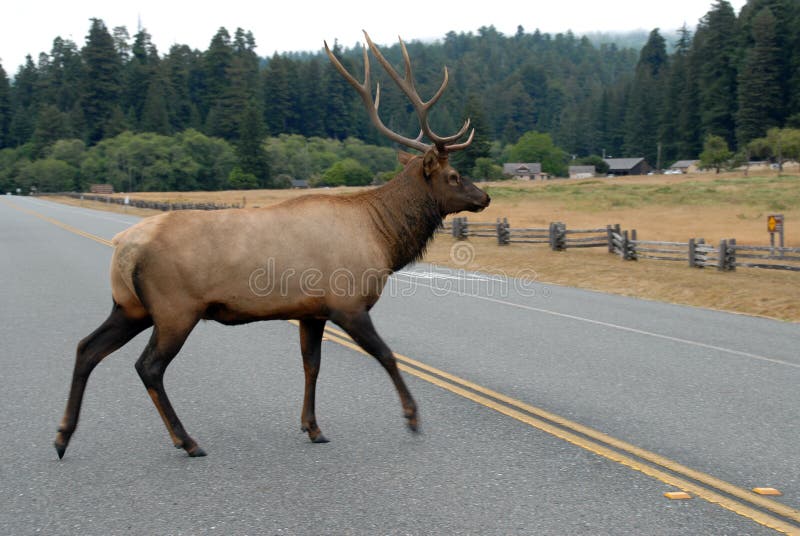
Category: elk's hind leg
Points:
column 311, row 331
column 359, row 327
column 112, row 334
column 164, row 345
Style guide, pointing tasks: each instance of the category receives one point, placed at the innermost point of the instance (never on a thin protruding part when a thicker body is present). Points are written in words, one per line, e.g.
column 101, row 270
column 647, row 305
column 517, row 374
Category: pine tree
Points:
column 5, row 109
column 277, row 95
column 481, row 143
column 181, row 69
column 338, row 106
column 102, row 89
column 26, row 84
column 246, row 64
column 65, row 76
column 679, row 123
column 715, row 53
column 308, row 99
column 760, row 82
column 216, row 62
column 139, row 74
column 250, row 145
column 155, row 117
column 231, row 75
column 518, row 117
column 51, row 126
column 242, row 87
column 786, row 35
column 645, row 106
column 793, row 46
column 121, row 45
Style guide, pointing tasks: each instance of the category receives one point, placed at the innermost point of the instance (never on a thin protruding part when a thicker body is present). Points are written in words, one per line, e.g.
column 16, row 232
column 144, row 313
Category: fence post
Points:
column 460, row 229
column 610, row 230
column 632, row 255
column 624, row 246
column 701, row 257
column 731, row 259
column 692, row 253
column 558, row 236
column 723, row 253
column 503, row 233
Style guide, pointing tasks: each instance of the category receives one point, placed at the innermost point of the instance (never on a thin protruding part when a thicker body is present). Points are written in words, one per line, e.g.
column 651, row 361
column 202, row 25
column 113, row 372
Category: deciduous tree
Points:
column 716, row 153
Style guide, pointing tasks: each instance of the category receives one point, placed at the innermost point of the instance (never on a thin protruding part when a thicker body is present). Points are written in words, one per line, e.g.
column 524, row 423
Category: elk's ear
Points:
column 430, row 162
column 404, row 157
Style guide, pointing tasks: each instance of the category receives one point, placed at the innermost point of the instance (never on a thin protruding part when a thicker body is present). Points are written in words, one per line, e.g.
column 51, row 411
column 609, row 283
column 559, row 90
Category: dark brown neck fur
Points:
column 405, row 216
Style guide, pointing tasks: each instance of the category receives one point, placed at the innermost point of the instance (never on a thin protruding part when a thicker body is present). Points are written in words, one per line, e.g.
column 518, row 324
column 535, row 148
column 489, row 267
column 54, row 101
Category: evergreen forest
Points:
column 115, row 109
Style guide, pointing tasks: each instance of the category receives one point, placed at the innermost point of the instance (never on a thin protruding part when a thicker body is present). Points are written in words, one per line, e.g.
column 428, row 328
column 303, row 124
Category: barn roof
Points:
column 622, row 163
column 581, row 169
column 683, row 164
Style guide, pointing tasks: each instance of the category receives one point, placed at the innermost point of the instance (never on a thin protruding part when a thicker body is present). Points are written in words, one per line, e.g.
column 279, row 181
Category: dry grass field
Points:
column 667, row 208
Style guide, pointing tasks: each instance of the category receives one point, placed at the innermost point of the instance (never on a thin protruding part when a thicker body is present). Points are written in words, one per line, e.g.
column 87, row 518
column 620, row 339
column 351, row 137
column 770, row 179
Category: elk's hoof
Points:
column 314, row 434
column 61, row 442
column 413, row 424
column 196, row 452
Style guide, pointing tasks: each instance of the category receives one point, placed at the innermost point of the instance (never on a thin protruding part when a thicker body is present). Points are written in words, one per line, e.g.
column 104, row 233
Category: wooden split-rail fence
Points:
column 696, row 252
column 557, row 236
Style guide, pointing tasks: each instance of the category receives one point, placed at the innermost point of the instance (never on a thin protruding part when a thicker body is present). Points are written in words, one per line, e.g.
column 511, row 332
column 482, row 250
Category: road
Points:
column 544, row 410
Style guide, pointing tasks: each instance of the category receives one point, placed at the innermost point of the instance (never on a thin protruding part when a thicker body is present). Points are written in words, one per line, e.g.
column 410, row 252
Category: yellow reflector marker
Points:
column 767, row 491
column 677, row 495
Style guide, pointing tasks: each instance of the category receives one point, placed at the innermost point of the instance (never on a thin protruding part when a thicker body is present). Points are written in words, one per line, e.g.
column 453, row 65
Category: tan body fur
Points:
column 222, row 264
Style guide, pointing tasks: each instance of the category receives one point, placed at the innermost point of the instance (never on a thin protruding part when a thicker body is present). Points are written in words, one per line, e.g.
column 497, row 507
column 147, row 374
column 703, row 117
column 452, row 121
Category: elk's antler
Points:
column 406, row 85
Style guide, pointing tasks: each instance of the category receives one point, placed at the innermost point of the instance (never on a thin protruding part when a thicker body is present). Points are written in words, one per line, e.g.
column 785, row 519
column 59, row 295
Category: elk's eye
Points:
column 453, row 179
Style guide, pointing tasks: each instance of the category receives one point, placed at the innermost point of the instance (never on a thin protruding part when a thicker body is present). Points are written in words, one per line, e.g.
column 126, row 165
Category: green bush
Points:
column 48, row 175
column 347, row 172
column 242, row 180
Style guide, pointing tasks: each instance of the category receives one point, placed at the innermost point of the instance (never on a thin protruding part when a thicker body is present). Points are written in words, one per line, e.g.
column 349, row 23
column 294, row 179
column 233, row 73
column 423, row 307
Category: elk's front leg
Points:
column 359, row 327
column 311, row 331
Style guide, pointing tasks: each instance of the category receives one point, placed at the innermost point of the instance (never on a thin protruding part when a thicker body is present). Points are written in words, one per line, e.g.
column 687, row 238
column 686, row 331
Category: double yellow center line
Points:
column 758, row 508
column 672, row 473
column 57, row 223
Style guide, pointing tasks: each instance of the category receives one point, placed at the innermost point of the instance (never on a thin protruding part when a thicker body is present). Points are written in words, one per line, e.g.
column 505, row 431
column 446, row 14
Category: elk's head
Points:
column 452, row 192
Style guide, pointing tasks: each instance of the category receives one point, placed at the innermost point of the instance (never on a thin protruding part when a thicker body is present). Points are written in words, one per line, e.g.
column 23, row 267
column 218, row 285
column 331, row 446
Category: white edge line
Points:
column 82, row 210
column 616, row 326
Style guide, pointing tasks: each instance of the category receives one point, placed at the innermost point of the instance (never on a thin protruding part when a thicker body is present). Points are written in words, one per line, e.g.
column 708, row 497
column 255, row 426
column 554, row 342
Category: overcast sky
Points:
column 29, row 27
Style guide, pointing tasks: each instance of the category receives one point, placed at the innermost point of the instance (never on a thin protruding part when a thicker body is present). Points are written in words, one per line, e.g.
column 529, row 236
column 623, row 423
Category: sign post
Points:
column 775, row 225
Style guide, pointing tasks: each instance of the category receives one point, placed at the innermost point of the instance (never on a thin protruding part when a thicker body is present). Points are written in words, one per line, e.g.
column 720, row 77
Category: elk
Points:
column 173, row 270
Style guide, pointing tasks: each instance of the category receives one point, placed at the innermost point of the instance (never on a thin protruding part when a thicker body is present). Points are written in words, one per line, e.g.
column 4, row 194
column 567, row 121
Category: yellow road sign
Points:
column 774, row 223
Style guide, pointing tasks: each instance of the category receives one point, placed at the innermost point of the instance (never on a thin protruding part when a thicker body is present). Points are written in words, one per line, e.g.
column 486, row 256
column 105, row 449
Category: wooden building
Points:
column 524, row 171
column 628, row 166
